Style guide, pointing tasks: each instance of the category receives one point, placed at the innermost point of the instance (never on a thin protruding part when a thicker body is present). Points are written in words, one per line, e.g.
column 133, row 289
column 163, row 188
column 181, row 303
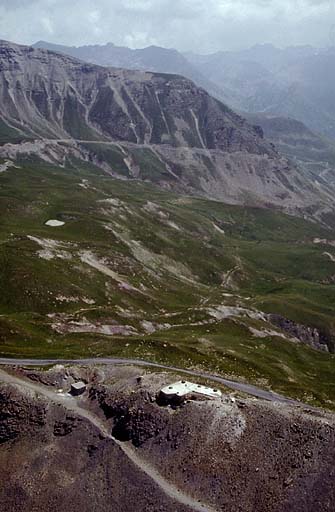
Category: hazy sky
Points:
column 199, row 25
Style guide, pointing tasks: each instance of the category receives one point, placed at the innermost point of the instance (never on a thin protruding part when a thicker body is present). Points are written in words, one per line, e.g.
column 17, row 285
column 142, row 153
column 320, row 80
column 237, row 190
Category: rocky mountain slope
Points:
column 163, row 128
column 297, row 82
column 49, row 94
column 232, row 454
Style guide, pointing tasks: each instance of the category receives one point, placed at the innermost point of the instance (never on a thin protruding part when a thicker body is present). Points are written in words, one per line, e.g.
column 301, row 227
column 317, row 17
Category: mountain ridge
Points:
column 151, row 58
column 296, row 81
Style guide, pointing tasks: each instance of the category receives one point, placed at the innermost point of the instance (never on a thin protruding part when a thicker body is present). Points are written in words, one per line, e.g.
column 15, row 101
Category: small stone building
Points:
column 78, row 388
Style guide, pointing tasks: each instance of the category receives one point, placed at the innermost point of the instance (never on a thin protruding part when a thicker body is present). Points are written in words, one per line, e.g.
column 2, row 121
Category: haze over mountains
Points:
column 312, row 152
column 297, row 82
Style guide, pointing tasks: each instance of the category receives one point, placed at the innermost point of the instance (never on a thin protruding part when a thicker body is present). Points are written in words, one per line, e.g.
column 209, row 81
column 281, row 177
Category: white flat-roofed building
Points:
column 182, row 390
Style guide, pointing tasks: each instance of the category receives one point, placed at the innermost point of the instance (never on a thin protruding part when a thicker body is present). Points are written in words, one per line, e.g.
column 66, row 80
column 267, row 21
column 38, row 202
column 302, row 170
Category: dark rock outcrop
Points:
column 308, row 335
column 135, row 418
column 19, row 415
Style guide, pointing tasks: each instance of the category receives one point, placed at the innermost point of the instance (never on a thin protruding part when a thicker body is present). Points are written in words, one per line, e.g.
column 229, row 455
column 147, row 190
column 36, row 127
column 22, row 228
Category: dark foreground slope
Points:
column 242, row 455
column 155, row 127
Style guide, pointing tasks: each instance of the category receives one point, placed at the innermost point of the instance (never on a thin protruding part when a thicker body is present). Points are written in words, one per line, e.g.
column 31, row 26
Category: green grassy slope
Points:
column 137, row 271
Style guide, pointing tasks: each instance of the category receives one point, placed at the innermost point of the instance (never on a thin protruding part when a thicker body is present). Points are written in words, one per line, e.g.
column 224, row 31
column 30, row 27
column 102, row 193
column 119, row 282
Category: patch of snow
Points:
column 54, row 223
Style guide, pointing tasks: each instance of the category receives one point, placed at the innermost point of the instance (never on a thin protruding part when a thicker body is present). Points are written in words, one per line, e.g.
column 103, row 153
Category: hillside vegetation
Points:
column 136, row 271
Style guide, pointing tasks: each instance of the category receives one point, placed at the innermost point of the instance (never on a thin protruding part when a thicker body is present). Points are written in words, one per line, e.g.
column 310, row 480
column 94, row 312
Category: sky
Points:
column 201, row 26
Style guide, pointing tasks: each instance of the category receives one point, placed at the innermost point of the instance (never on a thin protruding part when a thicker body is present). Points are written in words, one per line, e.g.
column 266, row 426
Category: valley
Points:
column 140, row 272
column 141, row 218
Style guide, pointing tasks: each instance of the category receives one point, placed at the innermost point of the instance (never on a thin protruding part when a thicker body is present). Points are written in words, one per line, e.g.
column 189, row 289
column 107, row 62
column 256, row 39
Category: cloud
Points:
column 14, row 4
column 182, row 24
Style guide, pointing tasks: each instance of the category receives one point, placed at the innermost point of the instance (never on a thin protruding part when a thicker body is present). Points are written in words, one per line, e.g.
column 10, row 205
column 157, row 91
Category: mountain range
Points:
column 296, row 82
column 152, row 58
column 142, row 125
column 307, row 149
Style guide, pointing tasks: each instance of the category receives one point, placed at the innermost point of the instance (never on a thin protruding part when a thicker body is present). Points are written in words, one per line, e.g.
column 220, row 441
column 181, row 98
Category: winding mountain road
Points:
column 237, row 386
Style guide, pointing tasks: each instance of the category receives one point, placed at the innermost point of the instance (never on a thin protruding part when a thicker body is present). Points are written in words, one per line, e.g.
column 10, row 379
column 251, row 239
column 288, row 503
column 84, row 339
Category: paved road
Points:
column 71, row 404
column 237, row 386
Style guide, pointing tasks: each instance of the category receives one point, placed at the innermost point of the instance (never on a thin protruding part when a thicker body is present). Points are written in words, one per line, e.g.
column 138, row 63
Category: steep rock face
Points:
column 308, row 335
column 17, row 412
